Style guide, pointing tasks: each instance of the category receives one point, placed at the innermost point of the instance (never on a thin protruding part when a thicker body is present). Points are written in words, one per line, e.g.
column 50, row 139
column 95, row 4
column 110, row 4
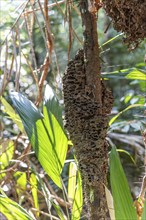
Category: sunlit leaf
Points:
column 46, row 136
column 6, row 153
column 78, row 200
column 126, row 109
column 13, row 211
column 123, row 204
column 33, row 182
column 136, row 74
column 52, row 104
column 12, row 114
column 131, row 73
column 72, row 181
column 21, row 182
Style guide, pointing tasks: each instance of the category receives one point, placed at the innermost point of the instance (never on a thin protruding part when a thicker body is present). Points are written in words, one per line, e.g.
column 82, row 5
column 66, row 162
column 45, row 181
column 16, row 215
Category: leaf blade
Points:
column 123, row 204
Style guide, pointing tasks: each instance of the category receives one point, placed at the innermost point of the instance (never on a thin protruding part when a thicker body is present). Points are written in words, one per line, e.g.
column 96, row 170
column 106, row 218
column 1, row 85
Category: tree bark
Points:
column 87, row 105
column 95, row 191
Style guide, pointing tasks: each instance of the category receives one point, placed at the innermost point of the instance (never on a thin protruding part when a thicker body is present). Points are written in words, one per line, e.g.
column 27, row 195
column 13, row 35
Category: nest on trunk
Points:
column 86, row 127
column 128, row 16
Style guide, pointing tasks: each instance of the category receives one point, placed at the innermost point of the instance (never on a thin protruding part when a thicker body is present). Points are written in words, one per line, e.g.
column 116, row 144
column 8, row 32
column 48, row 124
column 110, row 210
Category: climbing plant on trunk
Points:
column 87, row 104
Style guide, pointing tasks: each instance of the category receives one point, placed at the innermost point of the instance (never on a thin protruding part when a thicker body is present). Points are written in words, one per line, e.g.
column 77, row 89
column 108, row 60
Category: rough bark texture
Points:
column 87, row 104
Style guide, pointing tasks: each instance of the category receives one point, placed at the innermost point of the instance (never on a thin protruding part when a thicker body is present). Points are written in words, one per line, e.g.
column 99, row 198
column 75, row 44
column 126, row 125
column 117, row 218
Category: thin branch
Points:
column 49, row 6
column 45, row 214
column 32, row 71
column 4, row 82
column 31, row 44
column 40, row 27
column 17, row 77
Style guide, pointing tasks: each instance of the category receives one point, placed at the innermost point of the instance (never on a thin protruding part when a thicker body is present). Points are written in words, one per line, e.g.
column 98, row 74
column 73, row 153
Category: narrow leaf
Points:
column 129, row 107
column 123, row 204
column 72, row 181
column 78, row 200
column 13, row 211
column 33, row 182
column 21, row 182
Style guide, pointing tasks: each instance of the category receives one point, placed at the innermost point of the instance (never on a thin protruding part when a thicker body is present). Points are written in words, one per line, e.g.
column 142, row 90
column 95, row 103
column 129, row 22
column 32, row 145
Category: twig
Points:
column 4, row 82
column 44, row 213
column 40, row 27
column 49, row 6
column 54, row 195
column 14, row 38
column 43, row 77
column 47, row 27
column 32, row 71
column 70, row 30
column 19, row 66
column 31, row 44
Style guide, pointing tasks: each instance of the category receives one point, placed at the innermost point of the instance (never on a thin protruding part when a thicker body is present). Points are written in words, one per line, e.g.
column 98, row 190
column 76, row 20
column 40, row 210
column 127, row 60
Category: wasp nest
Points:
column 128, row 16
column 86, row 127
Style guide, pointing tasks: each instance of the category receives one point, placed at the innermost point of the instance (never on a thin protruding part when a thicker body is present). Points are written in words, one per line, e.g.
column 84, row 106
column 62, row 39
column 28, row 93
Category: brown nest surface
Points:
column 129, row 17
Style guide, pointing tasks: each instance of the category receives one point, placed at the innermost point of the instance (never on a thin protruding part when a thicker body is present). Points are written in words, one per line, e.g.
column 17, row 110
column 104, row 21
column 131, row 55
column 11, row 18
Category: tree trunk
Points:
column 87, row 104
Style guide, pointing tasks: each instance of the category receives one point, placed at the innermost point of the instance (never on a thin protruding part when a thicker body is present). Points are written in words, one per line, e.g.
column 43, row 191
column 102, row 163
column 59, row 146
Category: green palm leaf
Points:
column 123, row 204
column 45, row 134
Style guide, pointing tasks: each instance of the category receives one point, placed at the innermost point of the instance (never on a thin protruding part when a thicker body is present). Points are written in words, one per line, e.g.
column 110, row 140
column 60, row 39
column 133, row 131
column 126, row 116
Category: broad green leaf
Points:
column 33, row 182
column 52, row 104
column 12, row 210
column 78, row 200
column 6, row 153
column 123, row 204
column 45, row 134
column 144, row 212
column 57, row 138
column 129, row 107
column 72, row 181
column 110, row 203
column 10, row 111
column 136, row 74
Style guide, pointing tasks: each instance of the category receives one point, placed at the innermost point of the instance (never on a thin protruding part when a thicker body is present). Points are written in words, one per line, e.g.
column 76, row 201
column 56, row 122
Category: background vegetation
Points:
column 35, row 49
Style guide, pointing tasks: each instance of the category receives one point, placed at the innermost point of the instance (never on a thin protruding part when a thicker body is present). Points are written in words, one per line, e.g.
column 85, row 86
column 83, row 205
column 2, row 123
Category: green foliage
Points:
column 124, row 207
column 75, row 191
column 34, row 188
column 129, row 107
column 12, row 210
column 78, row 200
column 6, row 153
column 45, row 134
column 12, row 114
